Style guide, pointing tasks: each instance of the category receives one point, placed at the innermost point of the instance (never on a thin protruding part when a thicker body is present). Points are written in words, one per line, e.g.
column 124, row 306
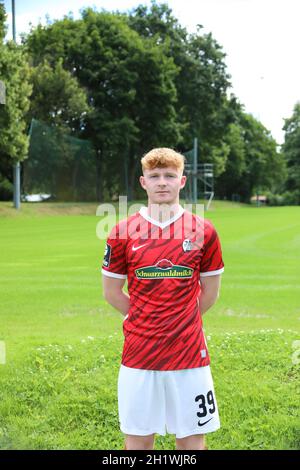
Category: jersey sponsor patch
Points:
column 164, row 269
column 107, row 253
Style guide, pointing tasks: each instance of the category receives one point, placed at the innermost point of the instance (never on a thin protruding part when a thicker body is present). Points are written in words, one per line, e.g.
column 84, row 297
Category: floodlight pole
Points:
column 13, row 19
column 17, row 167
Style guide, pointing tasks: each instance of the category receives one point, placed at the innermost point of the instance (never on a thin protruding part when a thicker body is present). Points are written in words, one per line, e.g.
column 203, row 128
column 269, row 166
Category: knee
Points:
column 139, row 442
column 191, row 443
column 138, row 446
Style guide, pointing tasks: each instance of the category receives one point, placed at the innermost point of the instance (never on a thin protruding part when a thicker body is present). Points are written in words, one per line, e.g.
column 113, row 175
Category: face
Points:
column 163, row 185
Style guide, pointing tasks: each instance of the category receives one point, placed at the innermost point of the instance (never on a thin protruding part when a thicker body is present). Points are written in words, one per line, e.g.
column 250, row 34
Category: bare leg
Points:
column 195, row 442
column 139, row 442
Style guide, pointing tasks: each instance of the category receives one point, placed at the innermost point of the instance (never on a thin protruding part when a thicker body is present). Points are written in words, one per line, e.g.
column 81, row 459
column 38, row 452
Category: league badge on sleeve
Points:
column 107, row 253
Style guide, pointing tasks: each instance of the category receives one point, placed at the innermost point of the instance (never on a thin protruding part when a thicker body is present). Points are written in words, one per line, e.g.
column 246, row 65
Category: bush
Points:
column 6, row 189
column 288, row 198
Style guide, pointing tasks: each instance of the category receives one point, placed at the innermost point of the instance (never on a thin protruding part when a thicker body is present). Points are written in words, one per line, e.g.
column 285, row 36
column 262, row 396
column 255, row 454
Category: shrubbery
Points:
column 6, row 189
column 288, row 198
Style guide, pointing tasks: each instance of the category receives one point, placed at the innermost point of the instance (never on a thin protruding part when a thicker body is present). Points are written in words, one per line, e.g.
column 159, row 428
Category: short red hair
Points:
column 161, row 158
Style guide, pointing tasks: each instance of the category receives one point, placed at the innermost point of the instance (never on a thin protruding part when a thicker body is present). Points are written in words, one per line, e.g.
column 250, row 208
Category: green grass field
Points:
column 63, row 342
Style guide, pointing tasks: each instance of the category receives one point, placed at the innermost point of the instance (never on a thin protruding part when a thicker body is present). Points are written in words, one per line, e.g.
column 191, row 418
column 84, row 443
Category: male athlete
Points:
column 172, row 260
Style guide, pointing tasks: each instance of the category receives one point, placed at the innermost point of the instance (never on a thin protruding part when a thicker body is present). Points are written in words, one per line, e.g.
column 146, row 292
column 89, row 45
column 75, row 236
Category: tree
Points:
column 149, row 83
column 228, row 183
column 264, row 165
column 58, row 110
column 291, row 149
column 201, row 81
column 128, row 115
column 57, row 98
column 2, row 23
column 15, row 73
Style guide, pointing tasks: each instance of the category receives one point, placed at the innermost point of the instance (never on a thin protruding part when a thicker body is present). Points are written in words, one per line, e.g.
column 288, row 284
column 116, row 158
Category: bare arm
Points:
column 114, row 295
column 210, row 286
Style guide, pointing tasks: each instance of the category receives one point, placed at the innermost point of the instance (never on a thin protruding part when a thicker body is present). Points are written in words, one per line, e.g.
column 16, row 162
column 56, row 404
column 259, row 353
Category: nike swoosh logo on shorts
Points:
column 134, row 248
column 202, row 424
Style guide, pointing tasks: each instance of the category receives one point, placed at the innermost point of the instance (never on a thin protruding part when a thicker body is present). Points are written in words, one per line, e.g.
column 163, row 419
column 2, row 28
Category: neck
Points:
column 163, row 212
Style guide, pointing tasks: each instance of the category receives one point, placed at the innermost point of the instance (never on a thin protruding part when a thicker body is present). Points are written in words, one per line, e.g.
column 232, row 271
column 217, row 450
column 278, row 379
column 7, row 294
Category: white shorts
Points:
column 180, row 402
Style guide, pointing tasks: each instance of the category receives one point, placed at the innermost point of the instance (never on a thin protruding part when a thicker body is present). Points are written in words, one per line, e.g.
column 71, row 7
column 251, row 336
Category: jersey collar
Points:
column 144, row 213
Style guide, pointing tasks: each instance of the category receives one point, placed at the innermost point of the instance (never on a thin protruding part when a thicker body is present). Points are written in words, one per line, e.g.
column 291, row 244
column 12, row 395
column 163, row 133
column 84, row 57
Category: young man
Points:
column 172, row 260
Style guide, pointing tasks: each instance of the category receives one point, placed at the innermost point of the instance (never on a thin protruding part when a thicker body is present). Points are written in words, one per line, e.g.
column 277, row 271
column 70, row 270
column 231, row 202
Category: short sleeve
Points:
column 211, row 262
column 114, row 260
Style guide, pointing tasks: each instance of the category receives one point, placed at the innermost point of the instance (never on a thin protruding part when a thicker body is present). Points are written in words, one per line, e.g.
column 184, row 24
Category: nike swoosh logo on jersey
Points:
column 205, row 422
column 134, row 248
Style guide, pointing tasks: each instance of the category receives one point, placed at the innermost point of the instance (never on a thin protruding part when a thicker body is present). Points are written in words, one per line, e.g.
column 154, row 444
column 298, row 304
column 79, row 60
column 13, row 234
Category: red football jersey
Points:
column 162, row 263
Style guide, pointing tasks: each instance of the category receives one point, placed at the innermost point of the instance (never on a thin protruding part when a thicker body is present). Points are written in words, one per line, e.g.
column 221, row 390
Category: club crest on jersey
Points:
column 187, row 245
column 164, row 268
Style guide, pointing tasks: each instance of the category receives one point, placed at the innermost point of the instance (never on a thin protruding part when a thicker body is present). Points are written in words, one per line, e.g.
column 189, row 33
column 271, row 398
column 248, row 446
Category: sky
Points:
column 261, row 39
